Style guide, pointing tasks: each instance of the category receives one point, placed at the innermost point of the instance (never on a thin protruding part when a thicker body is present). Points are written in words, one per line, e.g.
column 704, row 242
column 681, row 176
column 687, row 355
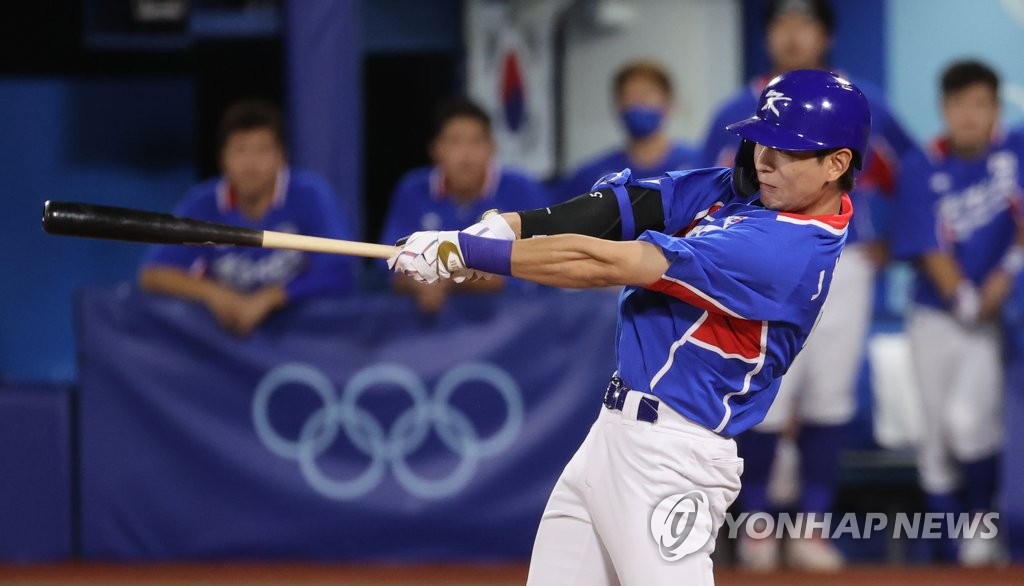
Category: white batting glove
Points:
column 417, row 257
column 429, row 256
column 966, row 304
column 491, row 225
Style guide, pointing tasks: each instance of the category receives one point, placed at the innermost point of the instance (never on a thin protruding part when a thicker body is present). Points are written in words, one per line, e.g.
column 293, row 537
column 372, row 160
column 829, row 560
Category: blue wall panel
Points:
column 113, row 141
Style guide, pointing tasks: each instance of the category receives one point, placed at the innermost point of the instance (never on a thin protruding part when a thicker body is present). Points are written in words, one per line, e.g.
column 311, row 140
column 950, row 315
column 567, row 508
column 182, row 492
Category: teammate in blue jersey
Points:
column 725, row 273
column 961, row 212
column 819, row 394
column 643, row 99
column 465, row 181
column 243, row 286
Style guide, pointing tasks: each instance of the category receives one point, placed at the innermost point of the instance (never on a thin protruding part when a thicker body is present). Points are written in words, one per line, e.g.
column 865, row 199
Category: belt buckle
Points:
column 614, row 394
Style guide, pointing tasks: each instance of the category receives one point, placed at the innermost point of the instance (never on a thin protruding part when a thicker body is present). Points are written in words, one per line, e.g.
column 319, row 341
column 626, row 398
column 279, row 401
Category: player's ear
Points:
column 837, row 163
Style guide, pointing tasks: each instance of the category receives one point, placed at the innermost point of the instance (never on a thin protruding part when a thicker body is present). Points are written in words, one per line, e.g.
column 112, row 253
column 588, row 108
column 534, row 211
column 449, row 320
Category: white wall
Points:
column 926, row 35
column 698, row 40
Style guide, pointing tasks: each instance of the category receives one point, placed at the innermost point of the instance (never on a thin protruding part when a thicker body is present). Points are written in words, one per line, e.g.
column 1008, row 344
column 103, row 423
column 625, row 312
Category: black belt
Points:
column 615, row 398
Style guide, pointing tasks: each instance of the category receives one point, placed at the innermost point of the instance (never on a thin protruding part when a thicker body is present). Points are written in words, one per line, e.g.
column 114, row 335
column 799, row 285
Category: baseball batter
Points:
column 960, row 209
column 725, row 272
column 819, row 392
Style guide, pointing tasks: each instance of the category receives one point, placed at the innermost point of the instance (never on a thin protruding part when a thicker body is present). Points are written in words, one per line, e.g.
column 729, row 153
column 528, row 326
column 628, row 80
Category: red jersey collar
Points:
column 439, row 183
column 942, row 148
column 834, row 221
column 227, row 198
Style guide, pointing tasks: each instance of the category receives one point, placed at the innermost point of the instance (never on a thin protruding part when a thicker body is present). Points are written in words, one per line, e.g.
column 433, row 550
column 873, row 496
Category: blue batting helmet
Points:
column 809, row 110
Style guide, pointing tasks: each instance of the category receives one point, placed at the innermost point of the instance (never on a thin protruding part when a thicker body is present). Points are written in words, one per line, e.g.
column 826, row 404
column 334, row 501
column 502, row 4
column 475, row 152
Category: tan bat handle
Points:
column 284, row 240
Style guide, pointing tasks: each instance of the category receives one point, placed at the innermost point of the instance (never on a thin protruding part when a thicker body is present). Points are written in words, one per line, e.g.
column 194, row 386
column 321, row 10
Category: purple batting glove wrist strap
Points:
column 490, row 255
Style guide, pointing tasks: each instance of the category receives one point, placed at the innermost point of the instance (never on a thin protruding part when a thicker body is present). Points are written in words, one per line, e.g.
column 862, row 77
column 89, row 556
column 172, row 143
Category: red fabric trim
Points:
column 714, row 208
column 878, row 172
column 731, row 335
column 683, row 294
column 838, row 221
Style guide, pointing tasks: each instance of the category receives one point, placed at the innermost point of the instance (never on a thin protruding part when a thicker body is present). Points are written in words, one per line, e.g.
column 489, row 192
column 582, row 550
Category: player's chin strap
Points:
column 744, row 176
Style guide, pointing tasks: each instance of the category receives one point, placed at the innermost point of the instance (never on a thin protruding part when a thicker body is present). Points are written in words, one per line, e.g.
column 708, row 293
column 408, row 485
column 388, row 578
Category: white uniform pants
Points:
column 596, row 528
column 960, row 376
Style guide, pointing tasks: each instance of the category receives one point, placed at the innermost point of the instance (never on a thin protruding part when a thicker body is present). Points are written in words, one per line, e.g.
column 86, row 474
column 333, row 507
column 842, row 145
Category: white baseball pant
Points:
column 596, row 527
column 960, row 376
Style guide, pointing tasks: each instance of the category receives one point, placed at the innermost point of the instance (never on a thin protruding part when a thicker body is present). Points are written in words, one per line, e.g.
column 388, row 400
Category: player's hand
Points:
column 256, row 307
column 417, row 257
column 430, row 299
column 224, row 304
column 966, row 304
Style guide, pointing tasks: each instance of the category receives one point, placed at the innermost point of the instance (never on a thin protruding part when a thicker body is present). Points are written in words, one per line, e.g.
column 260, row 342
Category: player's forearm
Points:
column 178, row 283
column 575, row 261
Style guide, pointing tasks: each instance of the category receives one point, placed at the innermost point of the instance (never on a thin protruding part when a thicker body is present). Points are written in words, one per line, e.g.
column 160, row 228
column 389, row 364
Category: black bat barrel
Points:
column 114, row 223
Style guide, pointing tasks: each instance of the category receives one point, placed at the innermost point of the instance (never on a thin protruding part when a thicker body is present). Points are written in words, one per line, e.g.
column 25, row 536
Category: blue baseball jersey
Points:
column 420, row 202
column 968, row 209
column 888, row 145
column 745, row 285
column 303, row 204
column 680, row 158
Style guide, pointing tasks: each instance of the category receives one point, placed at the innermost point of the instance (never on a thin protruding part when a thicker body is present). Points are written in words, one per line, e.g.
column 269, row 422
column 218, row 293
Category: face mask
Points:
column 641, row 121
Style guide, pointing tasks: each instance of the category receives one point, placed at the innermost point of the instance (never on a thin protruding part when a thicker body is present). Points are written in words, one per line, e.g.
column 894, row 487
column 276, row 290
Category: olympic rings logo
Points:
column 387, row 448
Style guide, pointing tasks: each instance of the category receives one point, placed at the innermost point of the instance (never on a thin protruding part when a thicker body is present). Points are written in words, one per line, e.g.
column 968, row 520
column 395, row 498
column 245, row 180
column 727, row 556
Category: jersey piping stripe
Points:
column 675, row 346
column 723, row 353
column 690, row 294
column 746, row 380
column 817, row 223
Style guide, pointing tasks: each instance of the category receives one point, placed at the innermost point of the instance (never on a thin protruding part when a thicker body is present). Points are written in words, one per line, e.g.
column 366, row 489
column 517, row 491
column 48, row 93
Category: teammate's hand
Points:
column 224, row 304
column 966, row 304
column 257, row 307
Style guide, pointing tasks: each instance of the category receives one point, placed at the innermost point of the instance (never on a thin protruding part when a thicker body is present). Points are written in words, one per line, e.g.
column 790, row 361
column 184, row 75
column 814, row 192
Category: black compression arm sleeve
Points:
column 596, row 214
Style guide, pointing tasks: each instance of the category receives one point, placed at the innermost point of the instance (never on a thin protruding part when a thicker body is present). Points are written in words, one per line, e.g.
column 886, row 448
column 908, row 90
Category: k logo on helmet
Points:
column 771, row 98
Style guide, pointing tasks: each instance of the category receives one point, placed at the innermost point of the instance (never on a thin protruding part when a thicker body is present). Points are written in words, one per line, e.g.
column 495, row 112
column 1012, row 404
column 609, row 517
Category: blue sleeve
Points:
column 200, row 204
column 688, row 194
column 324, row 274
column 727, row 272
column 914, row 231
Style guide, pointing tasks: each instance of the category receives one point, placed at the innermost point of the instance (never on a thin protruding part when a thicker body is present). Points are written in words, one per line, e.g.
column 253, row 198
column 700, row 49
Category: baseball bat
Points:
column 113, row 223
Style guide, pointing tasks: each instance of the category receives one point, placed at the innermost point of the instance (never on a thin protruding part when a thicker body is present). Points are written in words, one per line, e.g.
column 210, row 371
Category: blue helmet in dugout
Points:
column 803, row 110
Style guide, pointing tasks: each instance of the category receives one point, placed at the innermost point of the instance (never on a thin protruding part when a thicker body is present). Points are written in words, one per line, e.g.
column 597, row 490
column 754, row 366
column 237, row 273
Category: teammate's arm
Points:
column 953, row 287
column 943, row 272
column 222, row 301
column 576, row 261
